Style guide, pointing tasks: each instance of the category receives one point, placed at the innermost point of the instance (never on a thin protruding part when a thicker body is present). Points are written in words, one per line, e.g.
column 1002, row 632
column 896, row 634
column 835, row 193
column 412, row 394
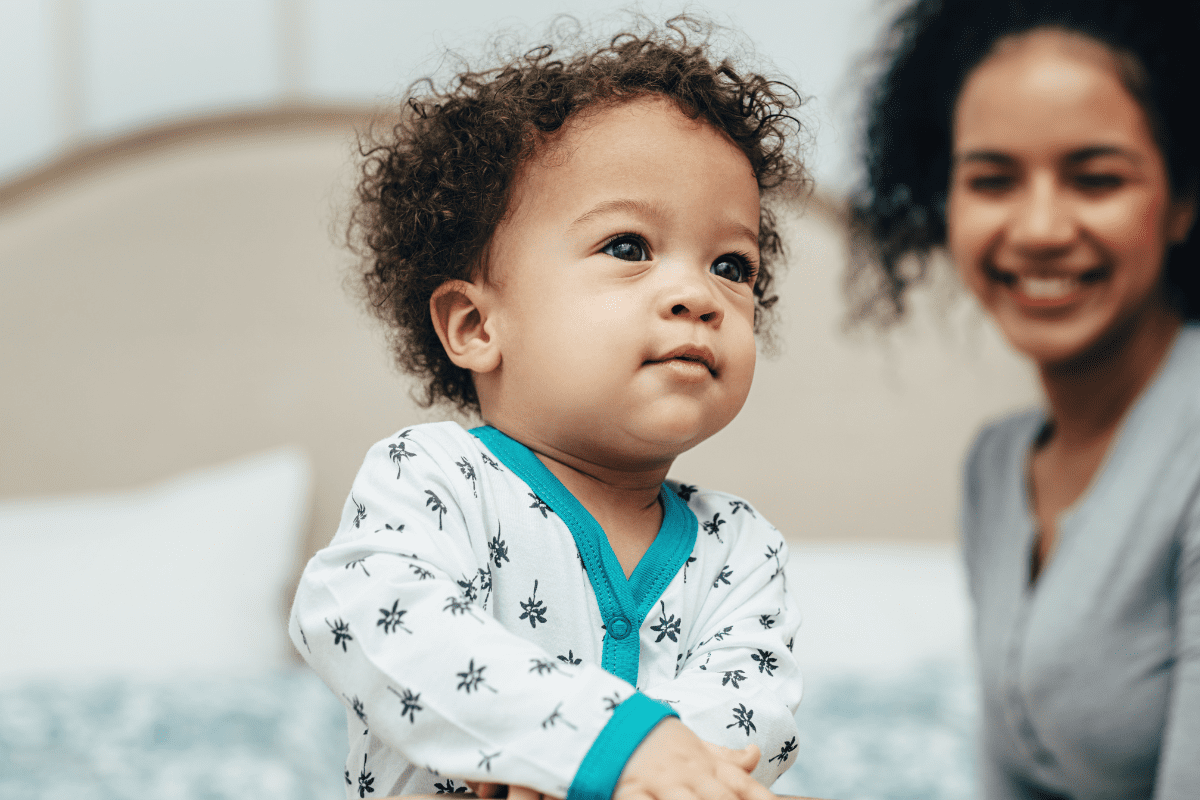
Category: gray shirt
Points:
column 1090, row 677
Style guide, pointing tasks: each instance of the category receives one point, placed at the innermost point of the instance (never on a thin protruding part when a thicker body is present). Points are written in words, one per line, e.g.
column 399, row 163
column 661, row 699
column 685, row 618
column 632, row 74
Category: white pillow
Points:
column 182, row 577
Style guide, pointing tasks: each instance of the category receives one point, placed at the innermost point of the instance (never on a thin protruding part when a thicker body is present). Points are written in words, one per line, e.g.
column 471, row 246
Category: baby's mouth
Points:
column 690, row 355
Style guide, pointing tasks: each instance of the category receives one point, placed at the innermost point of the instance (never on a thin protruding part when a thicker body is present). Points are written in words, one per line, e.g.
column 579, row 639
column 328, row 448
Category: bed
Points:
column 188, row 389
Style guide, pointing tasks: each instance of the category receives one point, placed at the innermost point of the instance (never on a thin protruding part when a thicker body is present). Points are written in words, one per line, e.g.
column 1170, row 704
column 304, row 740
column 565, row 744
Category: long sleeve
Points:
column 738, row 683
column 393, row 617
column 1179, row 760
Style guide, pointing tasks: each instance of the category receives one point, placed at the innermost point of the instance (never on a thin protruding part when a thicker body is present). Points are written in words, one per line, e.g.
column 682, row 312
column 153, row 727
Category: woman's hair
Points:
column 898, row 215
column 435, row 186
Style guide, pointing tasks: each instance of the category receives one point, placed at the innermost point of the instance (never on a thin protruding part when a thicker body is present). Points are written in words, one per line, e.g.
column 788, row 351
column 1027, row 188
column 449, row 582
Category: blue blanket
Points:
column 283, row 737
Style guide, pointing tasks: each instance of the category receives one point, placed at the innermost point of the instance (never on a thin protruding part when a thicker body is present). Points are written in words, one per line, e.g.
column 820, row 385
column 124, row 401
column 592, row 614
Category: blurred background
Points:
column 187, row 386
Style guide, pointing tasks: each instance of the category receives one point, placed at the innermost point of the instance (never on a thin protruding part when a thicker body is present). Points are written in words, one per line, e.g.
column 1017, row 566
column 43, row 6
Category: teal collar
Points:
column 624, row 603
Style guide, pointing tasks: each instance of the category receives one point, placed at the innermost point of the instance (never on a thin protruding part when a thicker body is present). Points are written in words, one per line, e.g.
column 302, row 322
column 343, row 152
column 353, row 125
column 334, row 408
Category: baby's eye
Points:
column 626, row 248
column 732, row 267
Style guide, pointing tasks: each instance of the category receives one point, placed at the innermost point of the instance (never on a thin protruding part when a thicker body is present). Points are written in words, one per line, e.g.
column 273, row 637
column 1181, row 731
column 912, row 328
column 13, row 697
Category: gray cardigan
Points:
column 1091, row 677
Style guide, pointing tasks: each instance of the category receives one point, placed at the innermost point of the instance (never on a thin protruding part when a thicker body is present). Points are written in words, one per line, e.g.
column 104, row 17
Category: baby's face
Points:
column 622, row 288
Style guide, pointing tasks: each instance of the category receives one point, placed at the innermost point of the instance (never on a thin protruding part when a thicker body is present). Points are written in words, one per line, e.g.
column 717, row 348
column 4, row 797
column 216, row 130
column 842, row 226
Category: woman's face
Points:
column 1059, row 213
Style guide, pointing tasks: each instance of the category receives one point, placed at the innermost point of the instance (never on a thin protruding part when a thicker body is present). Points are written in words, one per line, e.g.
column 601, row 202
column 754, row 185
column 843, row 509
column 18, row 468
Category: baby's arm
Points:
column 390, row 616
column 739, row 684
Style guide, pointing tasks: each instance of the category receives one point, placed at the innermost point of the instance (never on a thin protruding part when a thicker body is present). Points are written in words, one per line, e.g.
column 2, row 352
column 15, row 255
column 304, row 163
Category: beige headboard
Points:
column 174, row 299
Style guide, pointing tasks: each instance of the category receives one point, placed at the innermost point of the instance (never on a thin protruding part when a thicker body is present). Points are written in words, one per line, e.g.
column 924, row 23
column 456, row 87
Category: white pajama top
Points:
column 473, row 618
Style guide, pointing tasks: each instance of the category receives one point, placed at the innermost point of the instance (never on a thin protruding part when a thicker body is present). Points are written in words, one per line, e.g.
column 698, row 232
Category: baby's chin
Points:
column 666, row 439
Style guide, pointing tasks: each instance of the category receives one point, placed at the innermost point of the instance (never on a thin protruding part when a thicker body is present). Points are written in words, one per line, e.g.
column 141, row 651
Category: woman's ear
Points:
column 1180, row 218
column 460, row 316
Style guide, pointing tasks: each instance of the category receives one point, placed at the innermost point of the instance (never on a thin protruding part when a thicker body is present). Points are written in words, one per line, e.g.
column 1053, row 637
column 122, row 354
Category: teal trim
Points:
column 601, row 768
column 624, row 603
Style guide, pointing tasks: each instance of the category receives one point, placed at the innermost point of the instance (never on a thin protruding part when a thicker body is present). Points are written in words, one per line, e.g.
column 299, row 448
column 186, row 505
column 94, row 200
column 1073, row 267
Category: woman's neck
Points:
column 1088, row 397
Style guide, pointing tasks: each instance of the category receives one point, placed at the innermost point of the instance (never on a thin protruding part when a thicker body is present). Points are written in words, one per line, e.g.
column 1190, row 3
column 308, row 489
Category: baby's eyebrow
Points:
column 650, row 211
column 639, row 208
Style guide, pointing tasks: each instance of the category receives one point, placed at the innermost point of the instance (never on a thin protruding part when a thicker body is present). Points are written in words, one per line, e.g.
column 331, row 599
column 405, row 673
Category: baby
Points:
column 575, row 249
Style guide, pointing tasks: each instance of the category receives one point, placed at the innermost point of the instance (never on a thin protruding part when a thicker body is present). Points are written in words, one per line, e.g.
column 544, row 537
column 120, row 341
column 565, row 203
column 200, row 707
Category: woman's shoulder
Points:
column 998, row 440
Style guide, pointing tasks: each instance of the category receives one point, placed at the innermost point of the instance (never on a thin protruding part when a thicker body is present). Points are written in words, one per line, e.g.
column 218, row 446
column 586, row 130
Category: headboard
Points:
column 175, row 298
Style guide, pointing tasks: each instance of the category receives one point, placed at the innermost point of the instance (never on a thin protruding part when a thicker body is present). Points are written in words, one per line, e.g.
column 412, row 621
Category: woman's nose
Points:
column 1043, row 218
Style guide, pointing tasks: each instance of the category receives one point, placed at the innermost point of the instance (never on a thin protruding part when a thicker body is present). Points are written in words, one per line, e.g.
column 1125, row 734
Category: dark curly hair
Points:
column 897, row 216
column 434, row 187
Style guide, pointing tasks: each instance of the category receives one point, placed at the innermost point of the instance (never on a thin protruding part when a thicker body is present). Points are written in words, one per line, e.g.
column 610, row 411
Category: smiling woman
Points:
column 1060, row 209
column 1053, row 159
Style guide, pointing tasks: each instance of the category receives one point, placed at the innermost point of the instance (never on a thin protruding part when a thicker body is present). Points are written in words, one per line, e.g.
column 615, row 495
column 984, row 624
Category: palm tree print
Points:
column 611, row 703
column 360, row 511
column 570, row 658
column 468, row 472
column 713, row 527
column 719, row 636
column 469, row 592
column 421, row 573
column 743, row 719
column 723, row 577
column 436, row 505
column 533, row 609
column 667, row 627
column 733, row 676
column 341, row 632
column 485, row 583
column 391, row 618
column 358, row 708
column 691, row 560
column 365, row 780
column 768, row 620
column 303, row 638
column 497, row 548
column 539, row 504
column 410, row 703
column 766, row 661
column 786, row 751
column 359, row 562
column 773, row 552
column 491, row 462
column 738, row 505
column 397, row 453
column 685, row 492
column 459, row 605
column 473, row 678
column 450, row 788
column 791, row 641
column 557, row 717
column 544, row 666
column 486, row 760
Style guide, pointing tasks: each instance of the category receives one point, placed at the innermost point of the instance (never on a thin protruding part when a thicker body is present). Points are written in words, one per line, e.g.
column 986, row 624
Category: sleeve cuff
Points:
column 630, row 723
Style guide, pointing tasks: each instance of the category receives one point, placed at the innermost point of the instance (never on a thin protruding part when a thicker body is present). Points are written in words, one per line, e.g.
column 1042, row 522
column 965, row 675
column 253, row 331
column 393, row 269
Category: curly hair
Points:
column 898, row 214
column 434, row 187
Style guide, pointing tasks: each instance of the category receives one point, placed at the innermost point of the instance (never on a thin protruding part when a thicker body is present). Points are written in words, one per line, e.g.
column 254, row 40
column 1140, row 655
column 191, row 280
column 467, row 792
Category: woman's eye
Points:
column 990, row 183
column 626, row 248
column 1101, row 181
column 731, row 267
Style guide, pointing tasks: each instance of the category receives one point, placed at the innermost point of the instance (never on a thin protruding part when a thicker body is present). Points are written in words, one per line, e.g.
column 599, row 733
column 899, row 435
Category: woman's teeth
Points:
column 1046, row 288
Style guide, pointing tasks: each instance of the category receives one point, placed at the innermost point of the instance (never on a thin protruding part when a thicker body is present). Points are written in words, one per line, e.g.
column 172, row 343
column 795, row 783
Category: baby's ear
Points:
column 460, row 316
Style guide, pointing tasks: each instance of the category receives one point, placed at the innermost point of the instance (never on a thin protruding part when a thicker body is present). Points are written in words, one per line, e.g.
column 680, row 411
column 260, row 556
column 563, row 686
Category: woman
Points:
column 1050, row 148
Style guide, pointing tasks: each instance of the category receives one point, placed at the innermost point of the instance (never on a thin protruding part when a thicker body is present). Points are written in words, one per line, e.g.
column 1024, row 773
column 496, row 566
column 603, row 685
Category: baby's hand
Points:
column 715, row 759
column 672, row 763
